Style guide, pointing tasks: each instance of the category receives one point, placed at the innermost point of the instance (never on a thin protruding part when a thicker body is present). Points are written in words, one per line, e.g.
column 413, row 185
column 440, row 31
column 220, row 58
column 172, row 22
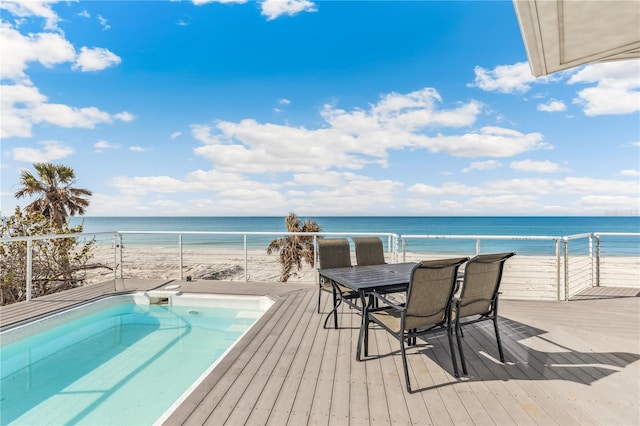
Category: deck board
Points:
column 567, row 363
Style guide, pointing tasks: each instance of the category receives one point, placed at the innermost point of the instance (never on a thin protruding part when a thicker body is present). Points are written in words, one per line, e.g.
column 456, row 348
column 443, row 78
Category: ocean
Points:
column 406, row 225
column 409, row 225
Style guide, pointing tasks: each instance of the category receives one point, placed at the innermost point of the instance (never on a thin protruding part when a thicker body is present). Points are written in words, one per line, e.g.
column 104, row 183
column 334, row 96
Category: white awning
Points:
column 562, row 34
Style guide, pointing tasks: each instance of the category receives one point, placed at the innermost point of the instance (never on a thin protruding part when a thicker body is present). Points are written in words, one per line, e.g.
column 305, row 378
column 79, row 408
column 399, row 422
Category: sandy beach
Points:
column 525, row 277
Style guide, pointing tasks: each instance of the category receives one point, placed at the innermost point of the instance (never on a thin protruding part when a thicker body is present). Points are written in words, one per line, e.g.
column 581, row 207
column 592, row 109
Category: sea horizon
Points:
column 548, row 226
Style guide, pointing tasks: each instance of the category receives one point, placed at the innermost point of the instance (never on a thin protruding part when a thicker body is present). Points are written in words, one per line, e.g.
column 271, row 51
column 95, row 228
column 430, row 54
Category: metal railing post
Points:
column 115, row 259
column 29, row 268
column 592, row 267
column 558, row 269
column 566, row 269
column 597, row 260
column 478, row 246
column 404, row 250
column 246, row 261
column 393, row 239
column 315, row 259
column 121, row 252
column 181, row 256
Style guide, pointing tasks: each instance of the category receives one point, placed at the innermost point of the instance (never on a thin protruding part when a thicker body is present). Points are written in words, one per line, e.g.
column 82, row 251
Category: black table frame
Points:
column 386, row 278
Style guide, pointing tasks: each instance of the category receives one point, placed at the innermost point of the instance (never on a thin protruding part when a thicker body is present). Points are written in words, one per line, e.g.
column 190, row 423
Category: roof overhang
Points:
column 562, row 34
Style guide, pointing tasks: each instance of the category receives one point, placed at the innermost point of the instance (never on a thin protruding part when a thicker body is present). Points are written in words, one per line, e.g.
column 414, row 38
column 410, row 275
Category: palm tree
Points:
column 294, row 249
column 56, row 198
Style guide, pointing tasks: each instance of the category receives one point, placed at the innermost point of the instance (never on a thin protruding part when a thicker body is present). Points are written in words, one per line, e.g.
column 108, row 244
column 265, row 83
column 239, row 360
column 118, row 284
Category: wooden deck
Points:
column 567, row 363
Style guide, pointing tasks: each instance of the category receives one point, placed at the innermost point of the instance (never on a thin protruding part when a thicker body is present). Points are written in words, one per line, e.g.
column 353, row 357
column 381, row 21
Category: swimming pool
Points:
column 124, row 360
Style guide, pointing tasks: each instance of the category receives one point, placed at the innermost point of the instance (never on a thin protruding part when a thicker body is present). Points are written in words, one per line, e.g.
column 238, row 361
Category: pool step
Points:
column 161, row 297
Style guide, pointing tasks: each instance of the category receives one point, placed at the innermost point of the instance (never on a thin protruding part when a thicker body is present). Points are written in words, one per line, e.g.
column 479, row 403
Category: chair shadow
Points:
column 522, row 362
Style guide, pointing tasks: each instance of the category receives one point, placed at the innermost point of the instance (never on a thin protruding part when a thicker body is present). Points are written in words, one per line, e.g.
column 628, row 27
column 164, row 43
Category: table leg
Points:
column 336, row 302
column 363, row 335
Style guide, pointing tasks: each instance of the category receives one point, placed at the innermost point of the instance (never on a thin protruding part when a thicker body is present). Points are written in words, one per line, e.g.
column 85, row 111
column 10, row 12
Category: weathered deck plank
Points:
column 566, row 363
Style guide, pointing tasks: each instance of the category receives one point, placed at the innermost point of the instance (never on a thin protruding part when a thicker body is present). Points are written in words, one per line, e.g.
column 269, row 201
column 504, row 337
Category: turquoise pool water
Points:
column 125, row 364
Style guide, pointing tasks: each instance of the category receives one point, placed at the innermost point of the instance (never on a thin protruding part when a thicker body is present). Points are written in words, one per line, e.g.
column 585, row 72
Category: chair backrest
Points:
column 482, row 277
column 369, row 251
column 430, row 292
column 333, row 252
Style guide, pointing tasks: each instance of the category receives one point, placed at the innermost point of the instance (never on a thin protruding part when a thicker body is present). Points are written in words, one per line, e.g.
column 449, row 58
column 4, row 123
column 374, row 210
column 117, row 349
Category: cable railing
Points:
column 545, row 268
column 535, row 273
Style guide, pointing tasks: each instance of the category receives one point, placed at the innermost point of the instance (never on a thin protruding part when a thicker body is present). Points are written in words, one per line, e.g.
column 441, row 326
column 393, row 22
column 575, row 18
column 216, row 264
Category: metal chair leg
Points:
column 404, row 362
column 458, row 330
column 453, row 352
column 495, row 325
column 334, row 311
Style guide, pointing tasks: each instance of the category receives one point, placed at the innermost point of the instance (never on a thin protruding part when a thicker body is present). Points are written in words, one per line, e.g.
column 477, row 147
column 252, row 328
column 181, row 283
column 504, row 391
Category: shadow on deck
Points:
column 566, row 363
column 606, row 293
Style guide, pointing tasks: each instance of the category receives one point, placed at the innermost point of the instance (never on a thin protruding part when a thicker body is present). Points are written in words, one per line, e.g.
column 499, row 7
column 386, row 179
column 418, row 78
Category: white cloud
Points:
column 617, row 89
column 103, row 22
column 66, row 116
column 235, row 200
column 630, row 172
column 18, row 50
column 95, row 59
column 268, row 147
column 281, row 102
column 15, row 114
column 587, row 185
column 336, row 193
column 516, row 78
column 37, row 8
column 23, row 106
column 488, row 142
column 363, row 191
column 103, row 204
column 100, row 146
column 535, row 166
column 197, row 181
column 514, row 203
column 352, row 139
column 534, row 187
column 51, row 150
column 175, row 135
column 609, row 202
column 273, row 9
column 124, row 116
column 552, row 106
column 84, row 14
column 137, row 149
column 201, row 2
column 483, row 165
column 454, row 188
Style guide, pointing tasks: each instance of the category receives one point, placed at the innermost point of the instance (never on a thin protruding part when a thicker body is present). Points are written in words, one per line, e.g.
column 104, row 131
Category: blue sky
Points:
column 223, row 108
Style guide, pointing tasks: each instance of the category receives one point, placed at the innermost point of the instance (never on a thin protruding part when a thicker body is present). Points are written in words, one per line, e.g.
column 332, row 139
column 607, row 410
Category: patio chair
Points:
column 478, row 299
column 427, row 309
column 334, row 253
column 369, row 251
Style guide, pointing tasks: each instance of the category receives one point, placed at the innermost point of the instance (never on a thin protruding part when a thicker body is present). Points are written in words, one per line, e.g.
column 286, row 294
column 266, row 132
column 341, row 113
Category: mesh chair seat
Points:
column 335, row 253
column 427, row 308
column 369, row 251
column 478, row 300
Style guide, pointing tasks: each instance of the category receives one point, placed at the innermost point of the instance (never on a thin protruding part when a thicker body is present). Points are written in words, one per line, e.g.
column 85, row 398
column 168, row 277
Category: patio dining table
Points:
column 385, row 278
